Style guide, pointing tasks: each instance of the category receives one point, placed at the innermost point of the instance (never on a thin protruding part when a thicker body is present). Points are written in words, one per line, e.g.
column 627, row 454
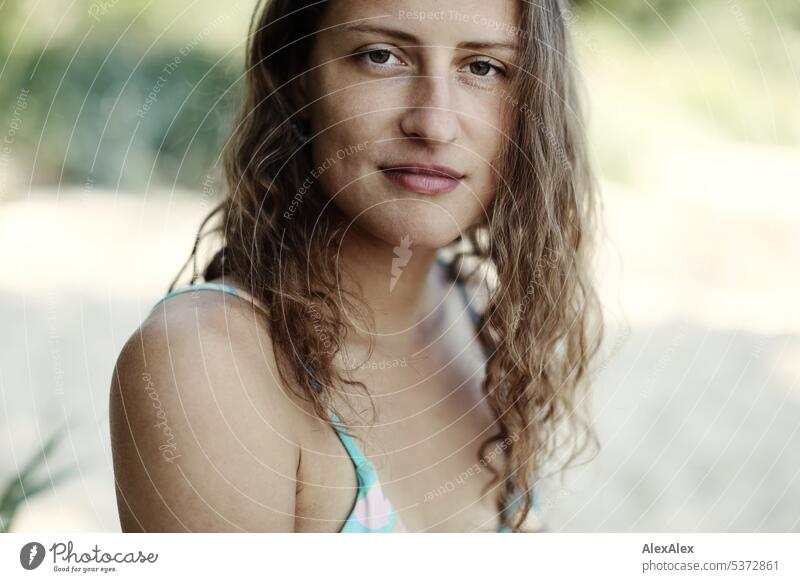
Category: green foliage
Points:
column 649, row 14
column 661, row 15
column 29, row 482
column 112, row 116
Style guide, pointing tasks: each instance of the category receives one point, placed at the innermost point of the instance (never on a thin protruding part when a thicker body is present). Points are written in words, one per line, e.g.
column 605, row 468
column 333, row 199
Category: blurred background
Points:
column 111, row 118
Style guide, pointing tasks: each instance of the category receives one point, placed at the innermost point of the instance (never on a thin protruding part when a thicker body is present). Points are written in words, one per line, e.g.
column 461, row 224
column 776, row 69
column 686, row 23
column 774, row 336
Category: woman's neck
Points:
column 402, row 285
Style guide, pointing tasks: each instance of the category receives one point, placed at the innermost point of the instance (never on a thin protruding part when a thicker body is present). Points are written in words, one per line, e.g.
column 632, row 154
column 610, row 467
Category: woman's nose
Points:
column 430, row 115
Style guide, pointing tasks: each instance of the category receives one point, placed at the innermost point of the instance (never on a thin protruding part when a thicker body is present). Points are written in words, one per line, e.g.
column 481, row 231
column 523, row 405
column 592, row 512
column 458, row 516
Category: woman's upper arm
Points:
column 202, row 434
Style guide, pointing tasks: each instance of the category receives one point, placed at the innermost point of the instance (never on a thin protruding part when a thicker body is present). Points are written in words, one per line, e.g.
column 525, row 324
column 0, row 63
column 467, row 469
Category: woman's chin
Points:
column 430, row 224
column 412, row 233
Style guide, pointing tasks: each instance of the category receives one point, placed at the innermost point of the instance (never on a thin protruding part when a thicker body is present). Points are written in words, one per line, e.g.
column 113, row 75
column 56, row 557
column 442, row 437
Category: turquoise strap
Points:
column 365, row 470
column 358, row 457
column 200, row 287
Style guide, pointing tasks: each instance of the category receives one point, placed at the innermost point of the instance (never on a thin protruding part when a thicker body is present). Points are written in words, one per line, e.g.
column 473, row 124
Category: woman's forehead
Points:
column 457, row 23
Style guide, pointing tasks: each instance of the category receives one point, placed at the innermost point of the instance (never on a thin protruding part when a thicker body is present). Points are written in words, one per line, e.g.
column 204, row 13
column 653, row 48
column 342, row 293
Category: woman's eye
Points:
column 378, row 56
column 483, row 68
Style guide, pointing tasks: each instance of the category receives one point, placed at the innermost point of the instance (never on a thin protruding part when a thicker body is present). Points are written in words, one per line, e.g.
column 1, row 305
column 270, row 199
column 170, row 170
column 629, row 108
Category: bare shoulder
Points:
column 204, row 436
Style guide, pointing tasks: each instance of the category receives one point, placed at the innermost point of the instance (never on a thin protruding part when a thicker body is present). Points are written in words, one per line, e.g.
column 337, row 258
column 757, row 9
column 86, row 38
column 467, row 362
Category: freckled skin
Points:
column 422, row 101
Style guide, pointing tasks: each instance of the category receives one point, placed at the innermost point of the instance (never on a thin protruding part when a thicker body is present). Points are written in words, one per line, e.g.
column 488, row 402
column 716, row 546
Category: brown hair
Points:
column 541, row 325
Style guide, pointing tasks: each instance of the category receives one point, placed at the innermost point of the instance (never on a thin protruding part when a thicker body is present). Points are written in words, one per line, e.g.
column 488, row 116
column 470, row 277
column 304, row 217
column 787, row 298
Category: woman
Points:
column 403, row 287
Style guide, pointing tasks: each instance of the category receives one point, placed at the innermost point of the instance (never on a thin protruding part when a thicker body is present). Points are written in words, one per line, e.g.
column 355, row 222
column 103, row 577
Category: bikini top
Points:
column 372, row 511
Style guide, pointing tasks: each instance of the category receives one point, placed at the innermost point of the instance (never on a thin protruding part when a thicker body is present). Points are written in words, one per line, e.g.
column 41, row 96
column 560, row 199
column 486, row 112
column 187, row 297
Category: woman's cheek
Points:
column 348, row 91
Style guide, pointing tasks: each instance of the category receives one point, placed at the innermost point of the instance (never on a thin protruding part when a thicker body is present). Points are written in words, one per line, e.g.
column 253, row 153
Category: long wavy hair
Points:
column 541, row 323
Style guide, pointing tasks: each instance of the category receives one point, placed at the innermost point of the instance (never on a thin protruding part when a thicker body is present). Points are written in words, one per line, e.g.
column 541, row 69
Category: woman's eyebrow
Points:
column 413, row 40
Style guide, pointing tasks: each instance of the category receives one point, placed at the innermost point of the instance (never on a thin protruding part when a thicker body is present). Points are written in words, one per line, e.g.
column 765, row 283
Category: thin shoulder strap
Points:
column 356, row 455
column 220, row 287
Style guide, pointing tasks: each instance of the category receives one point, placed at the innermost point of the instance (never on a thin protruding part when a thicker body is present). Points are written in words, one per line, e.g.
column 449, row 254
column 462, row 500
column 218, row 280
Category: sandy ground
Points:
column 697, row 404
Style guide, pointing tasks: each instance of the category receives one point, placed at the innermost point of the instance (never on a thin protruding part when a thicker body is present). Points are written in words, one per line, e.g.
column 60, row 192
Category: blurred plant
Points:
column 637, row 14
column 114, row 117
column 114, row 106
column 662, row 15
column 27, row 484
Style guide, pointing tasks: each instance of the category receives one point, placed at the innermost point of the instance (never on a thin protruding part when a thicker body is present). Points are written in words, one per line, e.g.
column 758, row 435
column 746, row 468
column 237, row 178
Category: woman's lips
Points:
column 422, row 182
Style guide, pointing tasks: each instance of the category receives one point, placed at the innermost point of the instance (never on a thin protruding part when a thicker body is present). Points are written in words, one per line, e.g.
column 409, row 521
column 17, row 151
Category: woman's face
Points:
column 418, row 85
